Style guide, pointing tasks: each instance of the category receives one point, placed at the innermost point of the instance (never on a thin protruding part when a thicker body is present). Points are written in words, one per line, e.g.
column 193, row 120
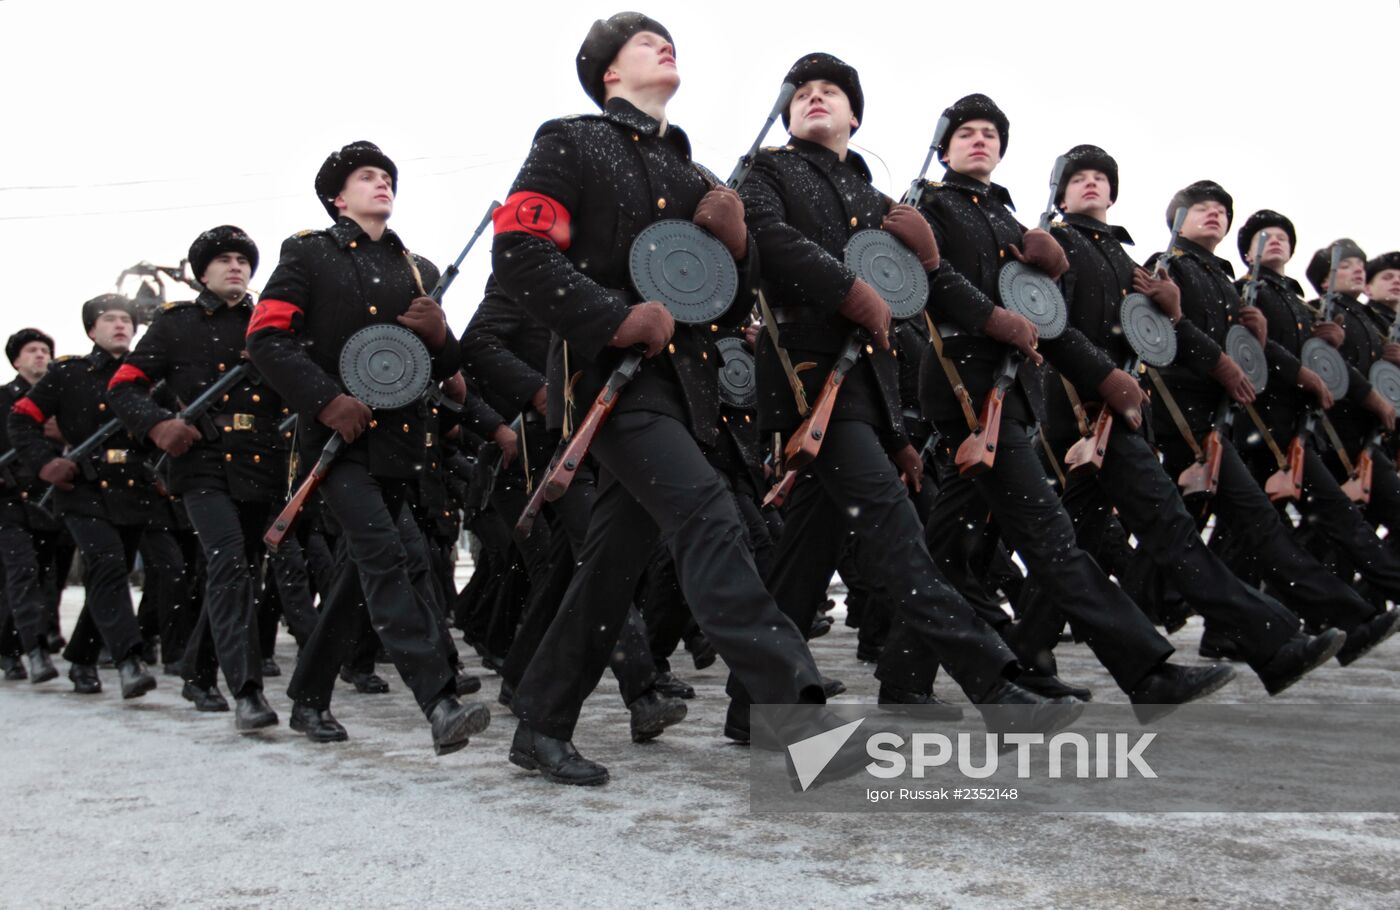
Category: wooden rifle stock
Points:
column 1204, row 476
column 1287, row 483
column 282, row 524
column 978, row 451
column 1358, row 488
column 526, row 522
column 804, row 445
column 1086, row 455
column 561, row 474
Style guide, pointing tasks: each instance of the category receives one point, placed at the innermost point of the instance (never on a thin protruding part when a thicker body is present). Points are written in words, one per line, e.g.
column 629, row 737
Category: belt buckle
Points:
column 242, row 421
column 116, row 456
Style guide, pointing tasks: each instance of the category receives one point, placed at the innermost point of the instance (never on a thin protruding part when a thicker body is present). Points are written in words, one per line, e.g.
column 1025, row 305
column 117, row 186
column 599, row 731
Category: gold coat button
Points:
column 225, row 396
column 374, row 311
column 373, row 424
column 228, row 456
column 131, row 483
column 103, row 484
column 747, row 419
column 869, row 349
column 256, row 398
column 636, row 138
column 661, row 203
column 704, row 355
column 853, row 221
column 222, row 367
column 974, row 200
column 102, row 406
column 671, row 348
column 714, row 328
column 257, row 459
column 724, row 417
column 405, row 428
column 354, row 244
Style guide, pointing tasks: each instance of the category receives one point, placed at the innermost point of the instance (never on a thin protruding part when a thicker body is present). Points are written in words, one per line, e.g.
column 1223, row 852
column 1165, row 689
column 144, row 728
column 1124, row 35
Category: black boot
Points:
column 1366, row 636
column 454, row 723
column 556, row 759
column 1298, row 657
column 85, row 679
column 467, row 683
column 1051, row 686
column 53, row 642
column 1169, row 685
column 929, row 706
column 319, row 726
column 668, row 684
column 370, row 683
column 506, row 695
column 270, row 667
column 1216, row 645
column 736, row 723
column 136, row 680
column 210, row 700
column 832, row 687
column 41, row 668
column 1008, row 708
column 654, row 712
column 253, row 712
column 14, row 668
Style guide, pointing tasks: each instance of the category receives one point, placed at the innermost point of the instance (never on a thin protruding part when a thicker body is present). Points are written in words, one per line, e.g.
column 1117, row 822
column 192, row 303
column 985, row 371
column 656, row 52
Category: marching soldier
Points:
column 228, row 483
column 1383, row 286
column 588, row 186
column 106, row 501
column 971, row 217
column 1363, row 411
column 1293, row 389
column 22, row 601
column 1131, row 479
column 1198, row 381
column 803, row 202
column 329, row 283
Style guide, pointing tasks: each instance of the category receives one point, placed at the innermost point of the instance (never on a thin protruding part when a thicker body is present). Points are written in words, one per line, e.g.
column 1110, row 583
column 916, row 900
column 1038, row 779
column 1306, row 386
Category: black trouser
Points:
column 853, row 484
column 1035, row 525
column 965, row 543
column 1151, row 509
column 162, row 587
column 420, row 574
column 659, row 598
column 1327, row 509
column 23, row 599
column 403, row 614
column 1265, row 548
column 55, row 549
column 189, row 597
column 630, row 661
column 109, row 551
column 227, row 632
column 658, row 483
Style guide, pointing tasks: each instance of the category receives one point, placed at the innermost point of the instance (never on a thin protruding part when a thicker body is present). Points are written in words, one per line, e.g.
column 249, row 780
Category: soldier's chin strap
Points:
column 954, row 378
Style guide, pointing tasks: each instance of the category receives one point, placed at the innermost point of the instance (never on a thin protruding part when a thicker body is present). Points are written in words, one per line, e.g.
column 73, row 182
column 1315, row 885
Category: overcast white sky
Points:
column 132, row 125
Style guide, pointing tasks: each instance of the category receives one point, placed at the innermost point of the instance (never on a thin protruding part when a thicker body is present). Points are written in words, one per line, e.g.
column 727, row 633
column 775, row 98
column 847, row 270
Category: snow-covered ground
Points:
column 149, row 804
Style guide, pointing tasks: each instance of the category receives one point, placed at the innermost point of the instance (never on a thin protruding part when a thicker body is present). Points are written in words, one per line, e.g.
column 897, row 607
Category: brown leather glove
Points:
column 174, row 437
column 1253, row 318
column 1329, row 332
column 911, row 467
column 1123, row 394
column 59, row 472
column 721, row 212
column 1232, row 379
column 649, row 324
column 1391, row 352
column 751, row 333
column 1162, row 291
column 509, row 443
column 455, row 387
column 540, row 400
column 347, row 415
column 1015, row 330
column 1375, row 403
column 1039, row 250
column 52, row 433
column 912, row 230
column 1312, row 383
column 427, row 321
column 868, row 309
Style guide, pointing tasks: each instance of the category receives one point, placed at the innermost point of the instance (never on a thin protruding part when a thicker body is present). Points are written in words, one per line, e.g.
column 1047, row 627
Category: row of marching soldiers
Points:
column 660, row 538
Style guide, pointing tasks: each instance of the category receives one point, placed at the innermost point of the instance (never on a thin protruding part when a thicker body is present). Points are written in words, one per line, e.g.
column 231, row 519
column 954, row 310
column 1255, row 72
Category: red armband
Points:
column 29, row 409
column 272, row 314
column 128, row 373
column 534, row 213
